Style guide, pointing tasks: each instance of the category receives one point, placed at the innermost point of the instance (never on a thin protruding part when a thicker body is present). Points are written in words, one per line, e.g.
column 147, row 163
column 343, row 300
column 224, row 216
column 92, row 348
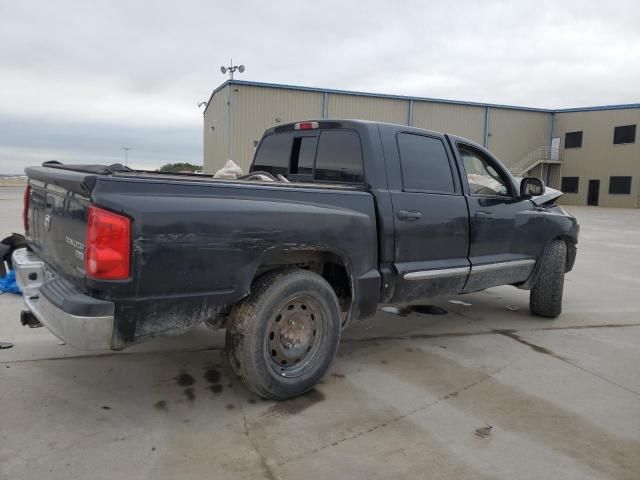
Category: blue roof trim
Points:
column 420, row 99
column 624, row 106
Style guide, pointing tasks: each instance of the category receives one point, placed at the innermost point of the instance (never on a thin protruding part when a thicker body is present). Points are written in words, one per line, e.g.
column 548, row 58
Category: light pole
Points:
column 126, row 155
column 231, row 69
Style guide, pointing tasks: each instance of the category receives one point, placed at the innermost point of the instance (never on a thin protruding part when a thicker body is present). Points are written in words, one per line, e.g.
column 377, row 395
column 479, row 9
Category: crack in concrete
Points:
column 418, row 336
column 415, row 336
column 545, row 351
column 268, row 471
column 397, row 418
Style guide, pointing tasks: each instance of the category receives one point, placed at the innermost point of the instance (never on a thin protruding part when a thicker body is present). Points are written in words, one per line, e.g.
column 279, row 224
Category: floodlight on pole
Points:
column 231, row 69
column 126, row 155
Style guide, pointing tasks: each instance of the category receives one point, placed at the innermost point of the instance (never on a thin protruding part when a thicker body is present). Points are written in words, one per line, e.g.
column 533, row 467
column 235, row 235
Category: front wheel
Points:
column 282, row 338
column 545, row 299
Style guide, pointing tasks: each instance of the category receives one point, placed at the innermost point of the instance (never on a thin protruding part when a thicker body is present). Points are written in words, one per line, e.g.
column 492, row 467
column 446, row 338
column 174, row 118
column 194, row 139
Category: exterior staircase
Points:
column 541, row 155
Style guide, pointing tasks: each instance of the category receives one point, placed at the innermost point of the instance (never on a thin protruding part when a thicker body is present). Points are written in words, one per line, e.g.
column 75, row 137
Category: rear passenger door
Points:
column 431, row 219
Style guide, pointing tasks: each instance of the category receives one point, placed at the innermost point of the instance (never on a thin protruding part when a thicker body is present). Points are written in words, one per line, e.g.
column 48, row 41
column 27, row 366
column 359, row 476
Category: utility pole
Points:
column 126, row 155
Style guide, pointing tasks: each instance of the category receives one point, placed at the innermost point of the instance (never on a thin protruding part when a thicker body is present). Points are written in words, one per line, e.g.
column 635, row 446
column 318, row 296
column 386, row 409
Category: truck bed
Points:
column 196, row 242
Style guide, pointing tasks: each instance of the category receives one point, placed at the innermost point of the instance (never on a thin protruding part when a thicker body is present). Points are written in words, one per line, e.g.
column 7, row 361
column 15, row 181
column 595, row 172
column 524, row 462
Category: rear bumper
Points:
column 81, row 321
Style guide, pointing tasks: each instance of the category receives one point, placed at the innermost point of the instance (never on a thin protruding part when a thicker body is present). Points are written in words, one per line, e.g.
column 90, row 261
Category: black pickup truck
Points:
column 371, row 213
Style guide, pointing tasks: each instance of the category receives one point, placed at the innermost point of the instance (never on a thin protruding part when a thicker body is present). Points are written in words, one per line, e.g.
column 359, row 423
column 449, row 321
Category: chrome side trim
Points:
column 491, row 267
column 440, row 273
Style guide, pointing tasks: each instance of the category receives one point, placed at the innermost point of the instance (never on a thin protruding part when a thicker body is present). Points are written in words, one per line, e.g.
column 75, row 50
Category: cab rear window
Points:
column 273, row 154
column 323, row 155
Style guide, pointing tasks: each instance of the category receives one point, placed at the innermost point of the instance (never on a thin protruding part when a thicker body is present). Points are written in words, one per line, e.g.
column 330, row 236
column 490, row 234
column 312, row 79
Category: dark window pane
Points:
column 307, row 155
column 302, row 155
column 620, row 185
column 570, row 184
column 573, row 140
column 624, row 134
column 273, row 154
column 424, row 162
column 339, row 157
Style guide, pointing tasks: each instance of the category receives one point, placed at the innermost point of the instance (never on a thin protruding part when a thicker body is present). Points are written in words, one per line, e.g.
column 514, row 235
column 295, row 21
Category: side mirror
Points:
column 531, row 187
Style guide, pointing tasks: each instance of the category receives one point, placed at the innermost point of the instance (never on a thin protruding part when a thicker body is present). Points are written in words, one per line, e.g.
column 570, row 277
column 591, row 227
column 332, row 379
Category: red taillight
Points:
column 108, row 245
column 306, row 126
column 25, row 208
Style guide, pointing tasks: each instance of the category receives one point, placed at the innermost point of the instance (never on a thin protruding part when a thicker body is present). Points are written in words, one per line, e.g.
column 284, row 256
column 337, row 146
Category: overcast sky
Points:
column 79, row 80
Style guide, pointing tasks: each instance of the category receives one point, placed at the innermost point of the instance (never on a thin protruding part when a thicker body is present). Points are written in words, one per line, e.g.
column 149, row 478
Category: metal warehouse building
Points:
column 590, row 153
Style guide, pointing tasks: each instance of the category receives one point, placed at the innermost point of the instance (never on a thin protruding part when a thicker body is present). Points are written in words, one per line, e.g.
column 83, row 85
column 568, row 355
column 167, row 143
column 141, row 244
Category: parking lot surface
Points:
column 483, row 391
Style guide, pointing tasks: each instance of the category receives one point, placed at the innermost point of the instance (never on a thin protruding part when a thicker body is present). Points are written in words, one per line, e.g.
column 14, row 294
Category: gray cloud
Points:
column 81, row 79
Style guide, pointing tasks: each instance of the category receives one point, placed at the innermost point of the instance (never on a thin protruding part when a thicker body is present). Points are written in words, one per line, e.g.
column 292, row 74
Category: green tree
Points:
column 179, row 167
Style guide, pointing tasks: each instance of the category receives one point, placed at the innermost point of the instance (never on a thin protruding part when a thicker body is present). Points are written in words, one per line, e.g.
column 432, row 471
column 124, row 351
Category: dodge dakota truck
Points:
column 363, row 213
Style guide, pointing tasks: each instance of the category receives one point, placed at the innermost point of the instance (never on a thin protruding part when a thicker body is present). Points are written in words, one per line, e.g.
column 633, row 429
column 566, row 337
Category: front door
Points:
column 594, row 193
column 504, row 226
column 431, row 221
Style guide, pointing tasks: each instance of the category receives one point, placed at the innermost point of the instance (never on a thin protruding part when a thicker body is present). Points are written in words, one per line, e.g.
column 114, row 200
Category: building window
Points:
column 619, row 185
column 573, row 139
column 570, row 184
column 624, row 134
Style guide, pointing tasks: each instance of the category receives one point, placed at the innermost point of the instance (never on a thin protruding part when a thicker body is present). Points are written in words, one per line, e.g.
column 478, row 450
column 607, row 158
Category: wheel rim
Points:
column 295, row 336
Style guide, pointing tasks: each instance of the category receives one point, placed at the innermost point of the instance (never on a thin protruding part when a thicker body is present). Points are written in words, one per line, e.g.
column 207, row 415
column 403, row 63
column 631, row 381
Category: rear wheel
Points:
column 545, row 298
column 283, row 337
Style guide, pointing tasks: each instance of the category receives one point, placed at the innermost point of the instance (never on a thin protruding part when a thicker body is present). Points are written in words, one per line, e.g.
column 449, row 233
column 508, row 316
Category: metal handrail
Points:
column 535, row 158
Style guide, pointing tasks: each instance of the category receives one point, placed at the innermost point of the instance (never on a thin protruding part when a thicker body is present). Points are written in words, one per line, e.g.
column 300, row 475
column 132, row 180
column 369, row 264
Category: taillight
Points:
column 25, row 208
column 306, row 126
column 108, row 245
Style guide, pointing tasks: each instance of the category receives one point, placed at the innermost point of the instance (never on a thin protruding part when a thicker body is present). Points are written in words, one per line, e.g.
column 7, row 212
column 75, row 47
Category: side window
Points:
column 424, row 162
column 339, row 157
column 273, row 154
column 482, row 177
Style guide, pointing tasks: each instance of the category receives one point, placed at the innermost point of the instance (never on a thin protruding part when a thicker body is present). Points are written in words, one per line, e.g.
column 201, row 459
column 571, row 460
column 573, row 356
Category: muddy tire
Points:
column 282, row 338
column 545, row 299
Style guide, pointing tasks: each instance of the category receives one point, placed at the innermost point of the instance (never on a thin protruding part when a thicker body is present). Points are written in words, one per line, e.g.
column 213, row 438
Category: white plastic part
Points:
column 230, row 171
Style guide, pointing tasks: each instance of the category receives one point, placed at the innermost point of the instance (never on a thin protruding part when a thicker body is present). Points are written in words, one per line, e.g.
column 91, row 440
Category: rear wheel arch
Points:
column 333, row 267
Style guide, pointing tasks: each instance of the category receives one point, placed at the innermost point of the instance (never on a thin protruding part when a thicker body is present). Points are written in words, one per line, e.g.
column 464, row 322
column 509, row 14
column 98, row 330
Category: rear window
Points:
column 324, row 155
column 339, row 157
column 273, row 154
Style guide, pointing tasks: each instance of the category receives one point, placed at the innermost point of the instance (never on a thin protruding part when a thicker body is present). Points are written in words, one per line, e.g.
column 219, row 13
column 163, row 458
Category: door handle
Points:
column 482, row 214
column 409, row 215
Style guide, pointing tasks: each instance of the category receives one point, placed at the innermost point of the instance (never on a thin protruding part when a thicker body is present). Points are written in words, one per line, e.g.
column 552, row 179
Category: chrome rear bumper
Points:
column 57, row 304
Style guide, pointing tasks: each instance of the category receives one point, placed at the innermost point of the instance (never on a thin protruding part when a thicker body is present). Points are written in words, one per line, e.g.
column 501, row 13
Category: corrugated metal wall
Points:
column 513, row 134
column 214, row 133
column 462, row 120
column 599, row 158
column 368, row 108
column 254, row 109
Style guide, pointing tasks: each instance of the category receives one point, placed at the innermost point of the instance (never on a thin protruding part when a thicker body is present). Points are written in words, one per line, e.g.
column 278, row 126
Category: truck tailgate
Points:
column 57, row 218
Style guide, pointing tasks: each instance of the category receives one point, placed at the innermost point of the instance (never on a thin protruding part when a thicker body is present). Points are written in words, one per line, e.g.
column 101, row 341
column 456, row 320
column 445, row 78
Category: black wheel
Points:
column 282, row 338
column 545, row 298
